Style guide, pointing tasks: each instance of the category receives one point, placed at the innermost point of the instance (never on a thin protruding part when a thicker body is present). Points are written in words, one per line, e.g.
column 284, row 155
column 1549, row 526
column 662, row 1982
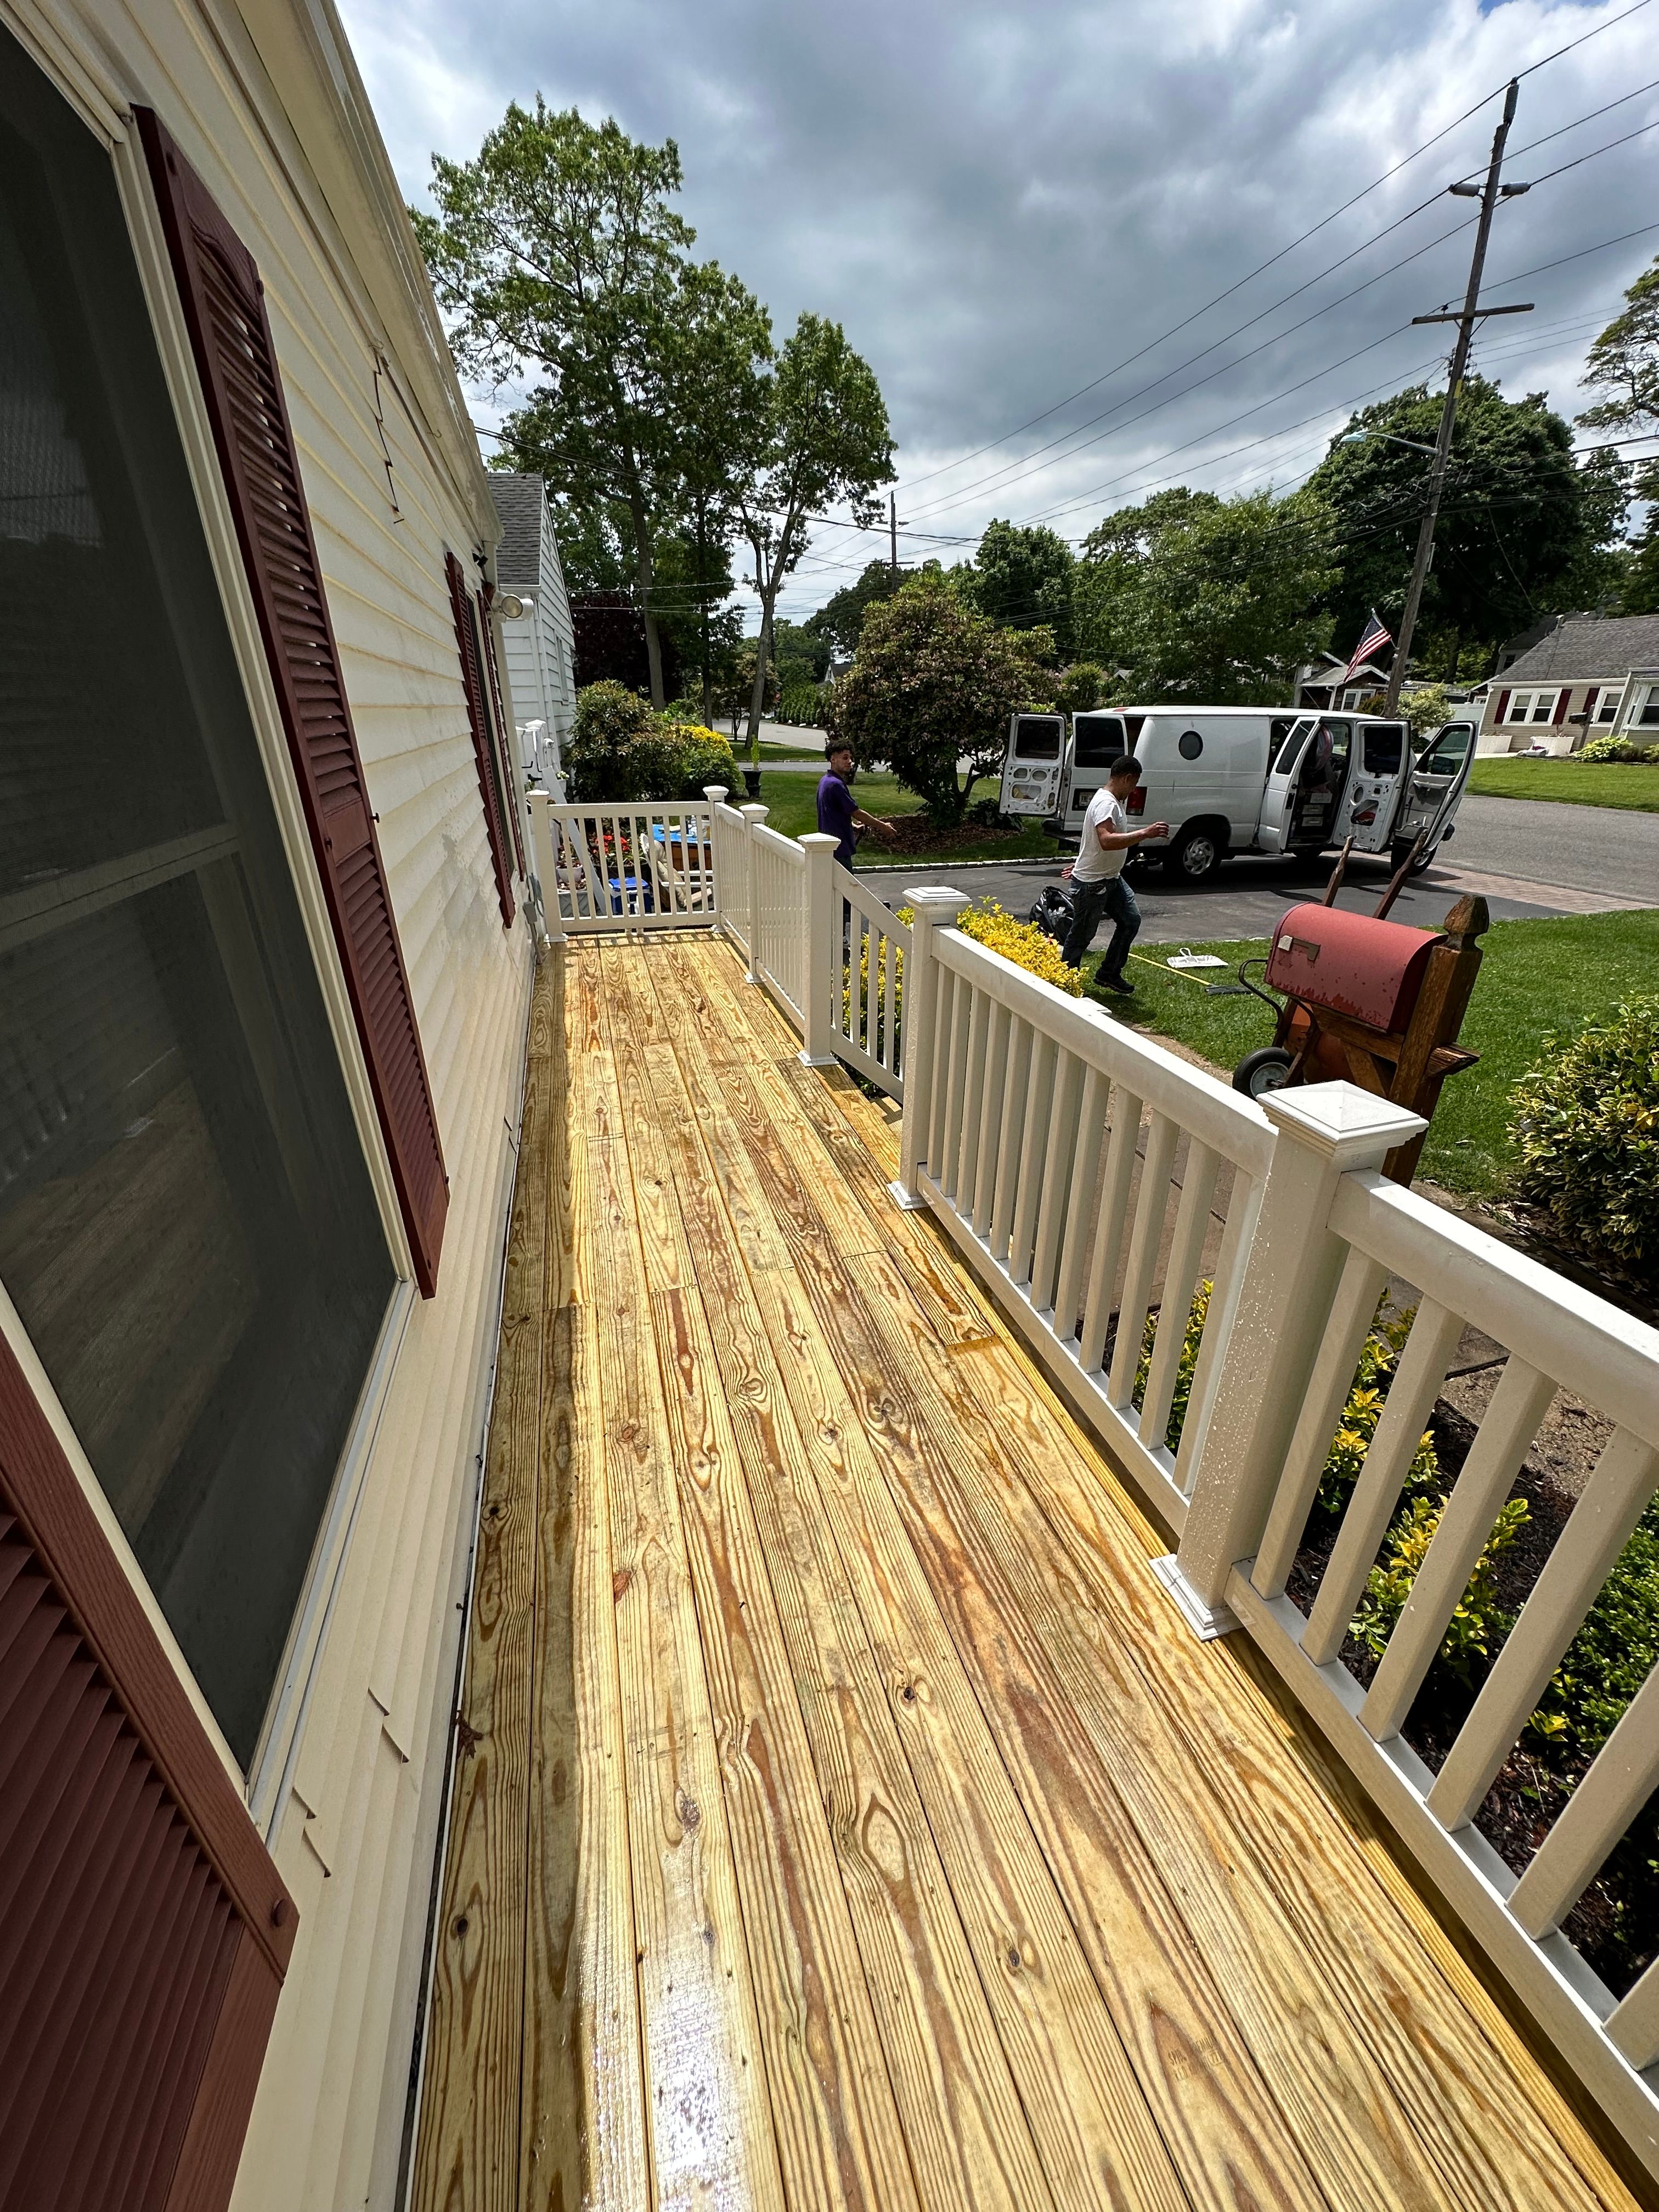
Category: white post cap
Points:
column 1348, row 1125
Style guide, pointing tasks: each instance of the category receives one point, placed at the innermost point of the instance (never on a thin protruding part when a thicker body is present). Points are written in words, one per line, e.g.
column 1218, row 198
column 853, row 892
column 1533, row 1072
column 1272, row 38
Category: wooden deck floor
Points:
column 844, row 1817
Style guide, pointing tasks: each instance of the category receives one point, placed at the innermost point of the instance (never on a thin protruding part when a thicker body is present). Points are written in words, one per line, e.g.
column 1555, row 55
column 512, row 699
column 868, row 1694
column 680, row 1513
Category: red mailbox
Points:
column 1370, row 971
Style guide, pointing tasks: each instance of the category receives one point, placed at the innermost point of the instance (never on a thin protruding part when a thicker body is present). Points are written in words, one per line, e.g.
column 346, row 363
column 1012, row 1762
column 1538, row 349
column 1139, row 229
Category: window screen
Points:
column 187, row 1226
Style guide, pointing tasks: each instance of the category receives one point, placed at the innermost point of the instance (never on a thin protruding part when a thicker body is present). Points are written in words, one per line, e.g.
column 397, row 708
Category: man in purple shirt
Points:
column 838, row 817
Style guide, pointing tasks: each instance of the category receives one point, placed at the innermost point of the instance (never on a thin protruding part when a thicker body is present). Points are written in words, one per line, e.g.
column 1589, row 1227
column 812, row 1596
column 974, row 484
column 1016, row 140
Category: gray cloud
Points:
column 1000, row 205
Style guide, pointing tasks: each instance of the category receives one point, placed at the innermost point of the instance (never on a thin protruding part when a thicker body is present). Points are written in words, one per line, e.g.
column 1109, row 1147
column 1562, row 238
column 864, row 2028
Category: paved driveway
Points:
column 1527, row 857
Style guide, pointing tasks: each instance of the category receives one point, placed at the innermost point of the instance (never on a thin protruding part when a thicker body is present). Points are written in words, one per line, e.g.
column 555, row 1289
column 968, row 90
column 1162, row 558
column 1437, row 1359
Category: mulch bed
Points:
column 1615, row 1924
column 916, row 834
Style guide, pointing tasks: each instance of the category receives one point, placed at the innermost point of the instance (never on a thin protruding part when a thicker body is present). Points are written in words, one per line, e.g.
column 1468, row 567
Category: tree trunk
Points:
column 644, row 571
column 762, row 662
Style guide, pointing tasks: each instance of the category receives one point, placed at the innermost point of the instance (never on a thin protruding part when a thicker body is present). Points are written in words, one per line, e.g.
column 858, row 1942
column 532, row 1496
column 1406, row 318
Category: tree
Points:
column 798, row 646
column 1021, row 577
column 1624, row 362
column 826, row 444
column 1206, row 598
column 557, row 249
column 1515, row 518
column 933, row 678
column 1080, row 689
column 840, row 617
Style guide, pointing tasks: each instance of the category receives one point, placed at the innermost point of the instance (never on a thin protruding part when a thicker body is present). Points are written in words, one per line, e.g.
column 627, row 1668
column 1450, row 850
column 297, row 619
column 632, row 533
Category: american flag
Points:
column 1375, row 639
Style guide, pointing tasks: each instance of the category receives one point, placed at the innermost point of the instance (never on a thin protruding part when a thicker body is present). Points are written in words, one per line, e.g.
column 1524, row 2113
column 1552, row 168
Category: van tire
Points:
column 1197, row 854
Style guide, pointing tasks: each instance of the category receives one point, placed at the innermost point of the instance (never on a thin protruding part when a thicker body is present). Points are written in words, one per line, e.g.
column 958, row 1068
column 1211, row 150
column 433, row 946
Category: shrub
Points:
column 1022, row 942
column 1586, row 1130
column 1612, row 1654
column 1479, row 1623
column 620, row 751
column 1609, row 747
column 799, row 704
column 1080, row 688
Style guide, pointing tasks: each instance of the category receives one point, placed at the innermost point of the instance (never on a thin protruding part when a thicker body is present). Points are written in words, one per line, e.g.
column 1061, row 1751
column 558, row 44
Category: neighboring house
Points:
column 265, row 974
column 1321, row 685
column 539, row 644
column 1587, row 676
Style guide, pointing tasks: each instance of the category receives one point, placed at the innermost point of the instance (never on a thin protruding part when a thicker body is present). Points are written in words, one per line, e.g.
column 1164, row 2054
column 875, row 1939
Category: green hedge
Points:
column 1586, row 1130
column 620, row 751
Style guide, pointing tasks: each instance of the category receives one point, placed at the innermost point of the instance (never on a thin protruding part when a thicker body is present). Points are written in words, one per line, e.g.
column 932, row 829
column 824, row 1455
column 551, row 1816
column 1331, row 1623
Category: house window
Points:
column 1543, row 706
column 188, row 1225
column 1606, row 706
column 1520, row 705
column 1647, row 712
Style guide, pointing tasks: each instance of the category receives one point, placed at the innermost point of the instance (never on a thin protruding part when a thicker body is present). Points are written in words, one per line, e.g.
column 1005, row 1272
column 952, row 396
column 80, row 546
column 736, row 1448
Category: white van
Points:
column 1263, row 779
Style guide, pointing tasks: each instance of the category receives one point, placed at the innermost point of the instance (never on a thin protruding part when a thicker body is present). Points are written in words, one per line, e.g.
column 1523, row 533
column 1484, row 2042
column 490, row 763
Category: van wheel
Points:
column 1258, row 1073
column 1196, row 855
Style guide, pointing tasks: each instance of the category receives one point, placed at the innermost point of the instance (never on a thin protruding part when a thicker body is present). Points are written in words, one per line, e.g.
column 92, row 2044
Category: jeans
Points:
column 1108, row 895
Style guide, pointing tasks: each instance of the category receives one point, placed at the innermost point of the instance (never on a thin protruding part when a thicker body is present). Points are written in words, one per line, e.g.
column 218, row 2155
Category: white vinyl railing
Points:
column 1080, row 1169
column 623, row 868
column 1093, row 1182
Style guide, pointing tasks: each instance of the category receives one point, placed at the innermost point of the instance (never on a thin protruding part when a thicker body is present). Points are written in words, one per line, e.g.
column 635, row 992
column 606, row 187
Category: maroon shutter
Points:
column 1562, row 697
column 472, row 685
column 504, row 732
column 144, row 1931
column 1503, row 708
column 230, row 334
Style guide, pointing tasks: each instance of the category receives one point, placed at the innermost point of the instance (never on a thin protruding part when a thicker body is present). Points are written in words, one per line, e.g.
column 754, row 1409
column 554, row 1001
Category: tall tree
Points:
column 556, row 249
column 1516, row 516
column 1624, row 363
column 827, row 444
column 1022, row 578
column 1194, row 597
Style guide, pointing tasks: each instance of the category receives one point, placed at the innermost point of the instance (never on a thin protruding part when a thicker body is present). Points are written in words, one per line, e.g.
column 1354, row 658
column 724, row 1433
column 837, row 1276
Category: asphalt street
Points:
column 1527, row 857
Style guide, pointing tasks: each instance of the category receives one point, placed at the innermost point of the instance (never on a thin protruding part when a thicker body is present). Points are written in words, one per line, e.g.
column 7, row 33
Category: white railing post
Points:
column 1324, row 1131
column 715, row 794
column 822, row 965
column 546, row 871
column 933, row 909
column 753, row 816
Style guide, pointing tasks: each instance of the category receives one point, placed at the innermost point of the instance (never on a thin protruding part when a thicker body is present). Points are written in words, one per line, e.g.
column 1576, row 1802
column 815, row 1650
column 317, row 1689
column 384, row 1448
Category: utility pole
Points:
column 1489, row 195
column 892, row 539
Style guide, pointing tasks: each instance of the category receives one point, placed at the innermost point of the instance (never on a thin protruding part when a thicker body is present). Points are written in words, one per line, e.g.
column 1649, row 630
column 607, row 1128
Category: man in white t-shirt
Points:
column 1096, row 876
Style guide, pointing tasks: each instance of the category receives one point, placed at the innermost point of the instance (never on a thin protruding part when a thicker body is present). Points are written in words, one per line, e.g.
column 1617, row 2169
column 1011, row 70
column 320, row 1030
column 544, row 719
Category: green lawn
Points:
column 1576, row 783
column 793, row 802
column 1537, row 978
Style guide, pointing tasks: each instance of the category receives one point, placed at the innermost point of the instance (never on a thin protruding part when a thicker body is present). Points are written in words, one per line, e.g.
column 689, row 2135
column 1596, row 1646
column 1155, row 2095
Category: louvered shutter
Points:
column 466, row 646
column 505, row 734
column 144, row 1931
column 1562, row 699
column 230, row 334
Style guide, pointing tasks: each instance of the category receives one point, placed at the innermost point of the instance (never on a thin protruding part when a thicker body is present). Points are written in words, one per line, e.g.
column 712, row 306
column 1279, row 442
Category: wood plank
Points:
column 968, row 2141
column 468, row 2149
column 1380, row 2078
column 711, row 2129
column 583, row 2135
column 840, row 2141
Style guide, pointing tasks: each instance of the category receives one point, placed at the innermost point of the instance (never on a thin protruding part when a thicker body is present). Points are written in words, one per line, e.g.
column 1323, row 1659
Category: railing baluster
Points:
column 1109, row 1227
column 990, row 1127
column 1622, row 1777
column 1416, row 1385
column 1033, row 1150
column 1016, row 1092
column 1086, row 1173
column 1518, row 1405
column 1599, row 1527
column 964, row 1158
column 890, row 1041
column 1332, row 1379
column 1152, row 1205
column 1198, row 1180
column 962, row 1016
column 1634, row 2023
column 1056, row 1179
column 944, row 1017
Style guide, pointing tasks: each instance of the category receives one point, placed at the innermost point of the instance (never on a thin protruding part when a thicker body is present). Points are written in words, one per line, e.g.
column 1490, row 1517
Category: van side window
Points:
column 1099, row 740
column 1278, row 731
column 1190, row 745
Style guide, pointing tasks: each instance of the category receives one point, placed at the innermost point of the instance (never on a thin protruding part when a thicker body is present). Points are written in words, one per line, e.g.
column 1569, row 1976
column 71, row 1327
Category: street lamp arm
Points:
column 1353, row 437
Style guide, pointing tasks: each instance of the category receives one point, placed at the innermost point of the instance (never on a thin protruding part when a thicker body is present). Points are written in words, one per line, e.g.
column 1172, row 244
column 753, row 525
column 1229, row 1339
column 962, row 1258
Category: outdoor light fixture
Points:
column 510, row 605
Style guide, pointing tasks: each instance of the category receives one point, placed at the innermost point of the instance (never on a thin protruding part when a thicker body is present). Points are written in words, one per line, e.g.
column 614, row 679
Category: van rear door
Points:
column 1032, row 770
column 1382, row 763
column 1436, row 785
column 1096, row 741
column 1279, row 798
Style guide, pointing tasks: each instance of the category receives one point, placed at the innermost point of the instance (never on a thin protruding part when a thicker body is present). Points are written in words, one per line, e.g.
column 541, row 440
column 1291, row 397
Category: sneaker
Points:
column 1121, row 984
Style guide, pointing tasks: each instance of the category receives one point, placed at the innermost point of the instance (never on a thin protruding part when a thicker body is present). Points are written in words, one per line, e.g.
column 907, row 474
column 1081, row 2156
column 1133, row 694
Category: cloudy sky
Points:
column 1005, row 205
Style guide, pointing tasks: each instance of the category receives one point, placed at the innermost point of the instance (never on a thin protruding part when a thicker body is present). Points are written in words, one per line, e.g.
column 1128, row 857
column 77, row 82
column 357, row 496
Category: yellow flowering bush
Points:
column 1478, row 1617
column 1022, row 942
